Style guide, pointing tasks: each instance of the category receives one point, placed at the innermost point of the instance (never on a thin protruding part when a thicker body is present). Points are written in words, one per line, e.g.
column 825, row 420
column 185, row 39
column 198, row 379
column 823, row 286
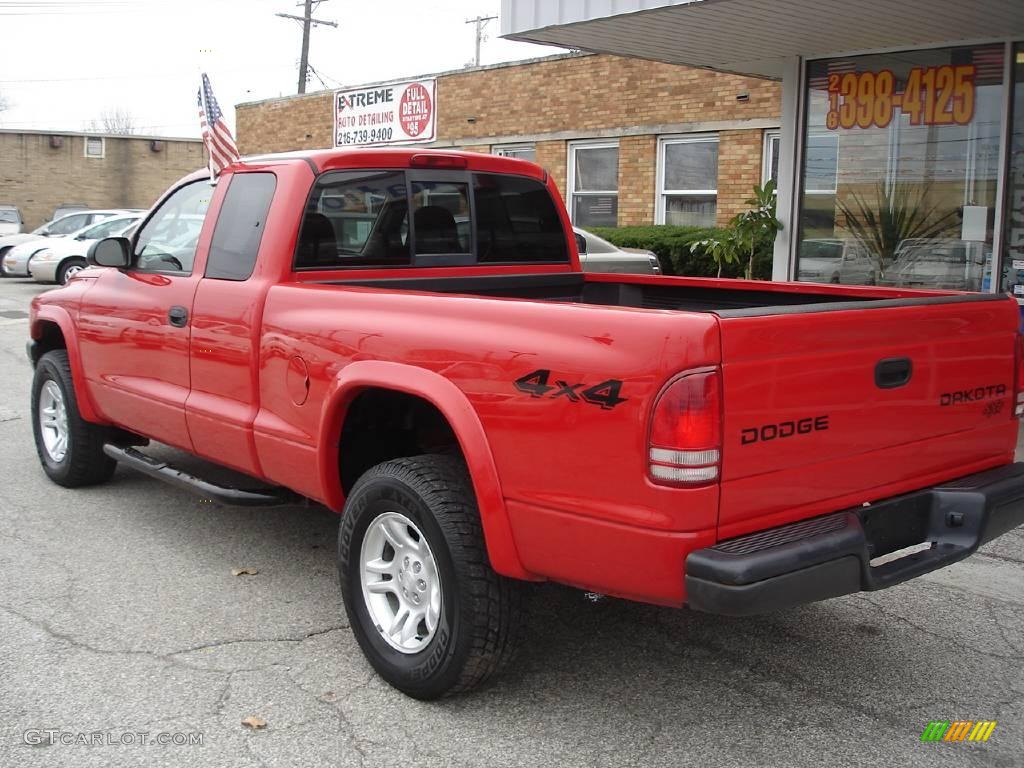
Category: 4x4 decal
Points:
column 537, row 384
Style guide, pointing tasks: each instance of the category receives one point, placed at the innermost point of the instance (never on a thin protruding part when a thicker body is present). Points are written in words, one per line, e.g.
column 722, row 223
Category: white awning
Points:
column 756, row 37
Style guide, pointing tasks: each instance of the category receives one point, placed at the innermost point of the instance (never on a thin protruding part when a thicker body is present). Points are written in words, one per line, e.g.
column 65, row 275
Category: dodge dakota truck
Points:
column 406, row 337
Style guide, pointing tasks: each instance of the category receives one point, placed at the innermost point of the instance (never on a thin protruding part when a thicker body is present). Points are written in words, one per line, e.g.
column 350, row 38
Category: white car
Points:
column 836, row 260
column 16, row 250
column 10, row 220
column 63, row 258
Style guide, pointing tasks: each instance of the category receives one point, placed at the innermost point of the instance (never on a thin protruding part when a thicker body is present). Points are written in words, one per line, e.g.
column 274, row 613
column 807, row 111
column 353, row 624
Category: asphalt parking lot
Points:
column 120, row 616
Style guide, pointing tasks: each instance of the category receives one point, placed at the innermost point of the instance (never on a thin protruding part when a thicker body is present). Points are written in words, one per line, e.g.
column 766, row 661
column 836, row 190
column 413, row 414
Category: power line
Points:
column 307, row 22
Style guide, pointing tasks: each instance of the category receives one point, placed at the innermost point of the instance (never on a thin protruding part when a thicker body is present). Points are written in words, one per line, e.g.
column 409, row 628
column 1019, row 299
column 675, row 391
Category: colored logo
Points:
column 959, row 730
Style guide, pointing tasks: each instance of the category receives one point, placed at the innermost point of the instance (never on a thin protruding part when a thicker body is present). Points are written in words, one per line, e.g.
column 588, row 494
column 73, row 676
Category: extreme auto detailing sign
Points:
column 400, row 113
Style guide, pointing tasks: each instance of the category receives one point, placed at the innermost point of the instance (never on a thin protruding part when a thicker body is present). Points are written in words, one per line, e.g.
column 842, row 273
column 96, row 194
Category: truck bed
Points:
column 725, row 298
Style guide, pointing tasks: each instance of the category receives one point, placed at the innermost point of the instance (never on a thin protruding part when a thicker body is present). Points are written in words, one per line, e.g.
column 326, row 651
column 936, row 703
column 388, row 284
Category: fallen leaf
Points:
column 256, row 723
column 244, row 571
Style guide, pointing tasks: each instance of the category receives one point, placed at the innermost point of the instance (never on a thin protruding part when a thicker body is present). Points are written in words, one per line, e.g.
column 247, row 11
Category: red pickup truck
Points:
column 406, row 337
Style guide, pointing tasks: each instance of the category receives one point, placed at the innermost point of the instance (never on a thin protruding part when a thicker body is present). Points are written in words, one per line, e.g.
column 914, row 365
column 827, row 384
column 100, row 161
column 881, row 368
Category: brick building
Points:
column 40, row 170
column 628, row 141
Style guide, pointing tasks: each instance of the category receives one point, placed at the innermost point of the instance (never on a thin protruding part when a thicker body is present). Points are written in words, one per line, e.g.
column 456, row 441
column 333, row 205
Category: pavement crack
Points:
column 240, row 641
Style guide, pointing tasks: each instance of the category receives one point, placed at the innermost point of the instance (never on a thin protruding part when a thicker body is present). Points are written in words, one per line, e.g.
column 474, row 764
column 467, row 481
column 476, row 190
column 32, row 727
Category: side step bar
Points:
column 164, row 471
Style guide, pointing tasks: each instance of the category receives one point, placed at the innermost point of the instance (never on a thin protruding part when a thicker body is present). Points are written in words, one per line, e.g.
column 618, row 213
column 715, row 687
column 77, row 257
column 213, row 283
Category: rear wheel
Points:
column 428, row 611
column 69, row 269
column 70, row 448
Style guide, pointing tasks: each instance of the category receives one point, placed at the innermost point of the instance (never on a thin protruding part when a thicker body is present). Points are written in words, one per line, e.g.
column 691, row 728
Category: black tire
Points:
column 62, row 272
column 84, row 462
column 479, row 627
column 3, row 253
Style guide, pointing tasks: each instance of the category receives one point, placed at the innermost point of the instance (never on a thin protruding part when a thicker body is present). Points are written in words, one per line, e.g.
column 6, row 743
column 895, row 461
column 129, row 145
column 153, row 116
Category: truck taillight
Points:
column 1019, row 384
column 686, row 431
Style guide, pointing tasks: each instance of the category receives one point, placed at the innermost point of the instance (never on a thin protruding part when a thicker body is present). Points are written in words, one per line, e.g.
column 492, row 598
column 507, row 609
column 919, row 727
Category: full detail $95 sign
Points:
column 398, row 113
column 929, row 96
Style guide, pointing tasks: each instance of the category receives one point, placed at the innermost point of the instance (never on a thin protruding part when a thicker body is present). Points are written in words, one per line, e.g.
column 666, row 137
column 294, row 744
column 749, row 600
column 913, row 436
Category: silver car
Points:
column 943, row 263
column 17, row 250
column 62, row 258
column 598, row 255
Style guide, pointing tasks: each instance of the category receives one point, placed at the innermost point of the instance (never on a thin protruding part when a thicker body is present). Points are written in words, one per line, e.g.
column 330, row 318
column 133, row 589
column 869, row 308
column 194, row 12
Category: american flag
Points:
column 216, row 134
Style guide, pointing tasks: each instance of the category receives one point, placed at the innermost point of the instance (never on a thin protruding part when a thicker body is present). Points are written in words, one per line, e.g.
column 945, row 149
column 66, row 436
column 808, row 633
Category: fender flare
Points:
column 59, row 316
column 455, row 407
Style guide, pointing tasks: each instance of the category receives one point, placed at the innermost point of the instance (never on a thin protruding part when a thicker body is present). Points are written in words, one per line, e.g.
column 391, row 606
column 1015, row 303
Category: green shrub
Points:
column 672, row 247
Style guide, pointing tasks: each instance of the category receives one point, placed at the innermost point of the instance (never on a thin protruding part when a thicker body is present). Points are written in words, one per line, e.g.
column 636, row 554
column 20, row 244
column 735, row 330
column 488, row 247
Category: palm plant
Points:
column 899, row 214
column 746, row 232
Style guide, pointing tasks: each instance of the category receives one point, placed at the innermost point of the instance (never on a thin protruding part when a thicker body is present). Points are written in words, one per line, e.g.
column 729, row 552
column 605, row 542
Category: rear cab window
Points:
column 417, row 218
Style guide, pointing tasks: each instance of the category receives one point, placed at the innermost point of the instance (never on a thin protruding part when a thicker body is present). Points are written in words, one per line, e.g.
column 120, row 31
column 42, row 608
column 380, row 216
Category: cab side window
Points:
column 167, row 243
column 240, row 225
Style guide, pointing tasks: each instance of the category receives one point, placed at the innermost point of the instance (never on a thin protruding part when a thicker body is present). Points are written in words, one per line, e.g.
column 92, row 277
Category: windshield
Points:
column 9, row 217
column 106, row 228
column 822, row 249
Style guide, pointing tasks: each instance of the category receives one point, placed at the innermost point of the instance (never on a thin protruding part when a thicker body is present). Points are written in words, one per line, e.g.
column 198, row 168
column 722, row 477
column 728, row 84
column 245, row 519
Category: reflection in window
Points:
column 900, row 162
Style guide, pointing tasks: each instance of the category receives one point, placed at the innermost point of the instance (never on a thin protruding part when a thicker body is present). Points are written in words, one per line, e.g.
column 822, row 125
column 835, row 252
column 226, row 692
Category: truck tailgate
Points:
column 827, row 408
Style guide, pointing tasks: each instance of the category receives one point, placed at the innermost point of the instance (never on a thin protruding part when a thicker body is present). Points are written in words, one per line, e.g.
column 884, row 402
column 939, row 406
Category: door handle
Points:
column 893, row 372
column 177, row 316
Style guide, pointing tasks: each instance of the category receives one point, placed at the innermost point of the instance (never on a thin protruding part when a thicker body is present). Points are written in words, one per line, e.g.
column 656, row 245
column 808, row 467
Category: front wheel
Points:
column 69, row 447
column 428, row 611
column 69, row 269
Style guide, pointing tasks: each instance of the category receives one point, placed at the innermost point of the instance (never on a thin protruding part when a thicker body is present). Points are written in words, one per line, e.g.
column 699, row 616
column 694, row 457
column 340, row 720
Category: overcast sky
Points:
column 63, row 62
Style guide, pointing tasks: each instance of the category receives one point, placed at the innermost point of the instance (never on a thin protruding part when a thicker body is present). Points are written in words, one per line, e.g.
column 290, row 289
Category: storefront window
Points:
column 594, row 184
column 900, row 165
column 689, row 181
column 1013, row 259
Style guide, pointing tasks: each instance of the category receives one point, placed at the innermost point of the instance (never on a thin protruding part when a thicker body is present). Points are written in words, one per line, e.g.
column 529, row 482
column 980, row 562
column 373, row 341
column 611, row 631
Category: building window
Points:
column 94, row 146
column 900, row 168
column 688, row 181
column 518, row 151
column 770, row 167
column 594, row 184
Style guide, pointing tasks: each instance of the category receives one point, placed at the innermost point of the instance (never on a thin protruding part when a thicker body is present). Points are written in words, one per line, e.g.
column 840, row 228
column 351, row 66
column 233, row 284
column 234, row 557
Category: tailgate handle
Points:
column 893, row 372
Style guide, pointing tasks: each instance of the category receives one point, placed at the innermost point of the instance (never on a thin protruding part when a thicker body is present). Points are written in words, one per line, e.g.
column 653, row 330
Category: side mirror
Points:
column 581, row 244
column 110, row 252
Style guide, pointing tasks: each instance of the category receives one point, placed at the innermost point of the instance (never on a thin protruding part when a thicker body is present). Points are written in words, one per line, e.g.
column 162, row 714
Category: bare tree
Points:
column 4, row 103
column 117, row 121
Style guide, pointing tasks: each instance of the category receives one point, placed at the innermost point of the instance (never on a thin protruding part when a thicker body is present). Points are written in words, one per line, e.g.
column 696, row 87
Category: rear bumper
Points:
column 829, row 556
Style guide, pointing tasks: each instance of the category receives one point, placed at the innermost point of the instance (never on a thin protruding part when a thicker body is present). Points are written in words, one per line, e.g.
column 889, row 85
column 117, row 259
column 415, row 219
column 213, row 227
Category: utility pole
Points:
column 307, row 22
column 481, row 24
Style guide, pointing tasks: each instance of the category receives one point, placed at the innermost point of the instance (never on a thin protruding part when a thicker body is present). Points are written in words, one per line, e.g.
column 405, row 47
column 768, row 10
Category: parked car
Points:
column 62, row 258
column 938, row 263
column 598, row 255
column 10, row 220
column 836, row 260
column 17, row 250
column 495, row 416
